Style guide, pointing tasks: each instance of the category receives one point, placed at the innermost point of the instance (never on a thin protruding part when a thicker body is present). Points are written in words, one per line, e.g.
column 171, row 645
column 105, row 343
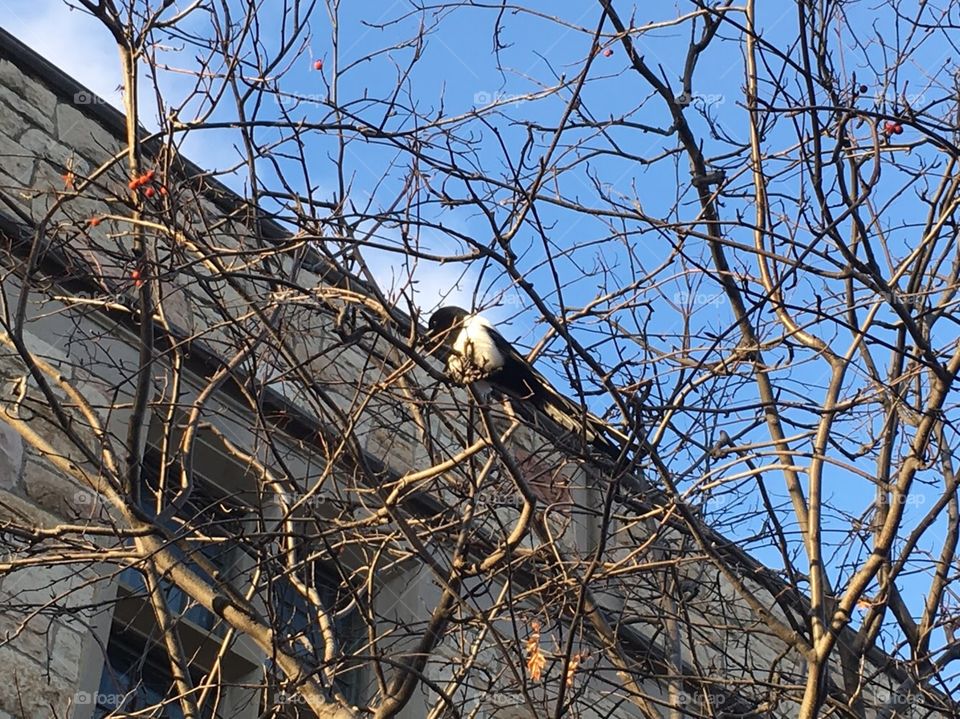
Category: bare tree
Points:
column 731, row 235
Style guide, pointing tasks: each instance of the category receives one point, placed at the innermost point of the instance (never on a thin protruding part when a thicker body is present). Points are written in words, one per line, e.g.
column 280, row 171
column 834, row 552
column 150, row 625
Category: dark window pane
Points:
column 134, row 679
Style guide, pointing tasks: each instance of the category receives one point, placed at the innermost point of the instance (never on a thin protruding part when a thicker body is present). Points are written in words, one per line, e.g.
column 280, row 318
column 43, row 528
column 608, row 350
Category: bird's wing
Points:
column 526, row 379
column 520, row 379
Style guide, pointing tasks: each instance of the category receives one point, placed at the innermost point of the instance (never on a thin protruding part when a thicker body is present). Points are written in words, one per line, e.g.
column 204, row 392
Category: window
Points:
column 297, row 619
column 136, row 677
column 137, row 673
column 209, row 524
column 212, row 521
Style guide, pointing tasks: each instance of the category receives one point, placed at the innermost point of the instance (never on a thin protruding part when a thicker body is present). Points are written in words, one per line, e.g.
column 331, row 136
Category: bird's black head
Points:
column 444, row 323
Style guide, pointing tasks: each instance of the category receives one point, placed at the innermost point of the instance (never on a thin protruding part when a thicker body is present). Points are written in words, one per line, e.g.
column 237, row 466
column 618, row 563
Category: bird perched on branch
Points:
column 478, row 354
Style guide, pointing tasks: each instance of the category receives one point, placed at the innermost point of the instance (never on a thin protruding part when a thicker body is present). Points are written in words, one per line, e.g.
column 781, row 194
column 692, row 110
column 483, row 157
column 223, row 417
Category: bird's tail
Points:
column 573, row 418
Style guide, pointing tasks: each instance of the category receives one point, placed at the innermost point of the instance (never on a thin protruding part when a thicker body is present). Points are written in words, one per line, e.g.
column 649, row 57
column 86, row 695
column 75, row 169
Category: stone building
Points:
column 78, row 632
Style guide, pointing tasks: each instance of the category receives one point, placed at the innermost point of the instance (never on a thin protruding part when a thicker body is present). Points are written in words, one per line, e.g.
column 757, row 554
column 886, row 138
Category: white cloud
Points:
column 433, row 284
column 70, row 39
column 427, row 284
column 81, row 46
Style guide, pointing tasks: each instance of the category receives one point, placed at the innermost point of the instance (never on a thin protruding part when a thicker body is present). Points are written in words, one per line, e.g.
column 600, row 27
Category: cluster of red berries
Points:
column 892, row 128
column 146, row 182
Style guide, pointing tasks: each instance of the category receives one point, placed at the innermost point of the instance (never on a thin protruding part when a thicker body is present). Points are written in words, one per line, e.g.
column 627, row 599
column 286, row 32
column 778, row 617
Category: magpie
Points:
column 477, row 354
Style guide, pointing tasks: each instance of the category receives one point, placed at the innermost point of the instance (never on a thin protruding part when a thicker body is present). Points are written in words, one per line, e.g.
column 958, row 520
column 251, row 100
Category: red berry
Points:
column 148, row 176
column 163, row 189
column 135, row 274
column 93, row 221
column 608, row 52
column 318, row 65
column 134, row 183
column 897, row 128
column 148, row 192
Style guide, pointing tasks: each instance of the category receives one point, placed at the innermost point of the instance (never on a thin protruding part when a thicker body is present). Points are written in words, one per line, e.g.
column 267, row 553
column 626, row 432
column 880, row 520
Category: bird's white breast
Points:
column 475, row 344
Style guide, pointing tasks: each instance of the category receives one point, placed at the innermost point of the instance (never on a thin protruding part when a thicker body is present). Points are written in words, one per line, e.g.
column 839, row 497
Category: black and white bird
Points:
column 478, row 354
